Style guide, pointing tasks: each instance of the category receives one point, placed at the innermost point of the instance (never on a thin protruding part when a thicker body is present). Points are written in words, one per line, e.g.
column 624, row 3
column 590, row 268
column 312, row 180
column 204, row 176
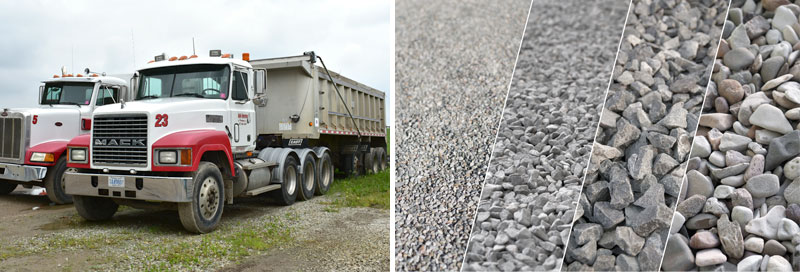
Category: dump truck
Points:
column 34, row 140
column 202, row 131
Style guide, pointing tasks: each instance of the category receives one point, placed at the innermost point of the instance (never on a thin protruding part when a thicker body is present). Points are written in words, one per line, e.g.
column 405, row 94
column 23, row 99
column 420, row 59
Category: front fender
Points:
column 56, row 148
column 200, row 141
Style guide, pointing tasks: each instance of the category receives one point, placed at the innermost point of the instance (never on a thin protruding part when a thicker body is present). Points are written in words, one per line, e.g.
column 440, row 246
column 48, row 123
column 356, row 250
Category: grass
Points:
column 365, row 191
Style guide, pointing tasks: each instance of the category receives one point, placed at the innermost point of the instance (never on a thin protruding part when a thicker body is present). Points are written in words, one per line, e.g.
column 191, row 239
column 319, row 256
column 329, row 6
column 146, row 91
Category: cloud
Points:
column 354, row 37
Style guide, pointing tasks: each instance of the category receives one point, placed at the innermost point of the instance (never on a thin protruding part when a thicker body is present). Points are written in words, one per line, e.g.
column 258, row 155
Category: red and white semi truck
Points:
column 34, row 140
column 202, row 131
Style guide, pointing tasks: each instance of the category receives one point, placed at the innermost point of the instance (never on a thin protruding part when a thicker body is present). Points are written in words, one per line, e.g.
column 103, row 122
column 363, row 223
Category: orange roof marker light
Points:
column 183, row 58
column 193, row 56
column 79, row 75
column 226, row 56
column 94, row 75
column 246, row 56
column 56, row 76
column 150, row 61
column 173, row 58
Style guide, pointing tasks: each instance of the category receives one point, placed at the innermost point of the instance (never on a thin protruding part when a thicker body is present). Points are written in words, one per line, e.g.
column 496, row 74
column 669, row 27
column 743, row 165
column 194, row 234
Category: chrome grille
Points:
column 11, row 143
column 119, row 140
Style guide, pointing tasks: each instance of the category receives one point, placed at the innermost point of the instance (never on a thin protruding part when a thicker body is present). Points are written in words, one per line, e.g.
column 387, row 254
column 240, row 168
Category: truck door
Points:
column 243, row 124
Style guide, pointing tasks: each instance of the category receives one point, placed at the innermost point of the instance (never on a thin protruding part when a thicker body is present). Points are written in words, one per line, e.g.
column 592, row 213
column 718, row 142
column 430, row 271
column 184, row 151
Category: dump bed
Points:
column 301, row 102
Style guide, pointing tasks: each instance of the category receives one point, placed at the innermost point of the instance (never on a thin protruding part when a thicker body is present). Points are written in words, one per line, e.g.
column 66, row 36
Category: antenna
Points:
column 194, row 52
column 133, row 48
column 72, row 67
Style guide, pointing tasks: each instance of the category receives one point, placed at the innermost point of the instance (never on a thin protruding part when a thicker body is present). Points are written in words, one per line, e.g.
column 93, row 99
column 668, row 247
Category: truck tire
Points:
column 203, row 214
column 350, row 165
column 95, row 208
column 54, row 183
column 383, row 160
column 290, row 187
column 7, row 187
column 375, row 161
column 310, row 177
column 325, row 178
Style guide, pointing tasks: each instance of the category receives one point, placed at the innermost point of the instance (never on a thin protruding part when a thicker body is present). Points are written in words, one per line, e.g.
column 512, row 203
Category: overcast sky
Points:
column 38, row 37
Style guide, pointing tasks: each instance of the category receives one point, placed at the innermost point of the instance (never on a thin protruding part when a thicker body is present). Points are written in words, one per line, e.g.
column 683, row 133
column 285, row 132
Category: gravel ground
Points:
column 546, row 134
column 254, row 235
column 649, row 118
column 743, row 186
column 453, row 65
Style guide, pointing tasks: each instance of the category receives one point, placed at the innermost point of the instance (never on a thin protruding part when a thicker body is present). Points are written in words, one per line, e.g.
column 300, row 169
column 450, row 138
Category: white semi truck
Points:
column 34, row 140
column 204, row 130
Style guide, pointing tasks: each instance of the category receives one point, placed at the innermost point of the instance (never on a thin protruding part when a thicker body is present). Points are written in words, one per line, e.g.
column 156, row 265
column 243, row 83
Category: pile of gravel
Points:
column 648, row 121
column 743, row 185
column 453, row 67
column 546, row 134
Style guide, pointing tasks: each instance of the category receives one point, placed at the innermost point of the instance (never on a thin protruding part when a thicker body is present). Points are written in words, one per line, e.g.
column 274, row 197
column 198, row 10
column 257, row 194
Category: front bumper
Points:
column 166, row 189
column 23, row 173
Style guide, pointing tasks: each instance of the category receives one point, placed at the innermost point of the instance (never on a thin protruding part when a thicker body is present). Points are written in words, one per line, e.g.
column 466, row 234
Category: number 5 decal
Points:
column 35, row 119
column 162, row 120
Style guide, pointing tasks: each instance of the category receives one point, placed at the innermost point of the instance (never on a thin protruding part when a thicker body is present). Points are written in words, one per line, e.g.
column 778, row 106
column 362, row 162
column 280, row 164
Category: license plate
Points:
column 116, row 182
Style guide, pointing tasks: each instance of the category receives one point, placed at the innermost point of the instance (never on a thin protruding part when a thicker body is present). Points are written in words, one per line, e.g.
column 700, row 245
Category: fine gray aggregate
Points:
column 740, row 210
column 545, row 137
column 647, row 124
column 454, row 61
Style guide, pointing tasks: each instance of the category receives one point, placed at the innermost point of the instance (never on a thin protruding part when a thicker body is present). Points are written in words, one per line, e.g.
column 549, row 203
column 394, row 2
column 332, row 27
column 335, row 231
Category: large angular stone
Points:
column 772, row 118
column 585, row 232
column 651, row 219
column 628, row 241
column 606, row 215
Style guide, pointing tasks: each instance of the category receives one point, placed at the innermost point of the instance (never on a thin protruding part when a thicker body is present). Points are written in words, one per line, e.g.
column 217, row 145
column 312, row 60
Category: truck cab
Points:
column 34, row 140
column 201, row 131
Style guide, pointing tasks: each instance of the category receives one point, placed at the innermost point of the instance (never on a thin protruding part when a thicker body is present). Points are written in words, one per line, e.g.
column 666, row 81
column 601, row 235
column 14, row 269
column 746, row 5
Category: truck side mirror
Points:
column 123, row 93
column 261, row 81
column 134, row 80
column 41, row 93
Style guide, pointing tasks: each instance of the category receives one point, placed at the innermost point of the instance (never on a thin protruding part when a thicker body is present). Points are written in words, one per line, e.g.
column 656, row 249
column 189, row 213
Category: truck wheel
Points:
column 95, row 208
column 54, row 183
column 289, row 188
column 383, row 160
column 325, row 171
column 310, row 177
column 203, row 214
column 369, row 160
column 7, row 187
column 375, row 162
column 350, row 165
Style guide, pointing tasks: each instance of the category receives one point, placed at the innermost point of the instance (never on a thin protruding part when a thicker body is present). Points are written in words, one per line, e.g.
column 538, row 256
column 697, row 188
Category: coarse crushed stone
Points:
column 453, row 65
column 640, row 152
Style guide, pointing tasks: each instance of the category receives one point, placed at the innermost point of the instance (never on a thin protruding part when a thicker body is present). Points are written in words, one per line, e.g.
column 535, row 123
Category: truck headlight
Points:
column 168, row 157
column 77, row 154
column 42, row 157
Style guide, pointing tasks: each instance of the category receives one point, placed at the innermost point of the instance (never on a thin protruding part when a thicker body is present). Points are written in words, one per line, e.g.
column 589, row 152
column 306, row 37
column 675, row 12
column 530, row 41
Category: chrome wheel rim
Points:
column 308, row 171
column 290, row 179
column 209, row 198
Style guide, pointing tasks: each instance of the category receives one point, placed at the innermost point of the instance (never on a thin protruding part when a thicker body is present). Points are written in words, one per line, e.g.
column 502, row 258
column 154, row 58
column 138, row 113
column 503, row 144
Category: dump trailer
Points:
column 34, row 140
column 202, row 131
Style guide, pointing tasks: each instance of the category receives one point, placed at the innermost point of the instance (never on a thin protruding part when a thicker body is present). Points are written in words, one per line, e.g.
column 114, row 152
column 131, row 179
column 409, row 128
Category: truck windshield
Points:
column 201, row 81
column 71, row 93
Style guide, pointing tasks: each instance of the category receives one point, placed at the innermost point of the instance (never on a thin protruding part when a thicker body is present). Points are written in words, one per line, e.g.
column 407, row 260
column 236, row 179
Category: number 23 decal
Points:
column 162, row 120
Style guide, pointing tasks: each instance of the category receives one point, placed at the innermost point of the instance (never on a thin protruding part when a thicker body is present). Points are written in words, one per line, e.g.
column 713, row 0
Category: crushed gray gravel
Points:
column 648, row 121
column 545, row 137
column 743, row 185
column 453, row 65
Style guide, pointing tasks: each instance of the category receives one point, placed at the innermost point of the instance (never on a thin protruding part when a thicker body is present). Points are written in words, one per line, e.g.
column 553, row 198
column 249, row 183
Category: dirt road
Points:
column 255, row 235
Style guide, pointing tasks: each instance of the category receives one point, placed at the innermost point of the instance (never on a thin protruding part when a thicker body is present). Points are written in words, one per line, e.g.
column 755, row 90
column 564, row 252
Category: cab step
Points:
column 262, row 190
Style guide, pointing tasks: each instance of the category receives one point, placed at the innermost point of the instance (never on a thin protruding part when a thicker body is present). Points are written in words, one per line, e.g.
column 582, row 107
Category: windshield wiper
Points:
column 189, row 94
column 148, row 97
